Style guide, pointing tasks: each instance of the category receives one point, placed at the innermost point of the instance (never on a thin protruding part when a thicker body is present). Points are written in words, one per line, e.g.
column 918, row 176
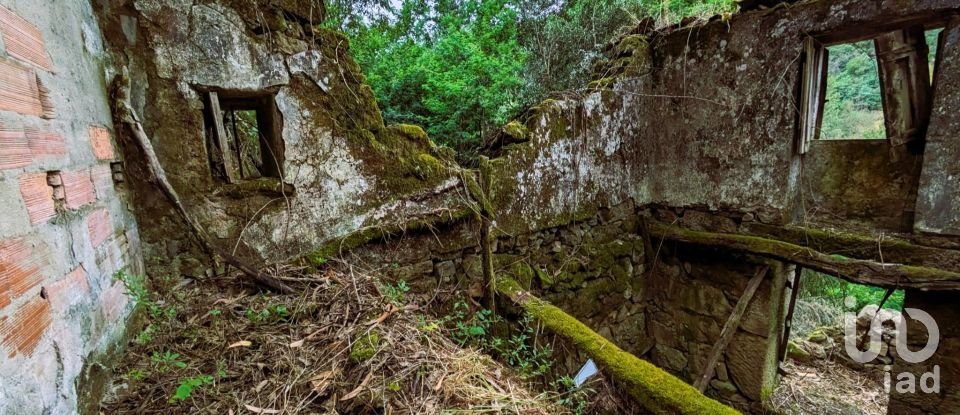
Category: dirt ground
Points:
column 347, row 344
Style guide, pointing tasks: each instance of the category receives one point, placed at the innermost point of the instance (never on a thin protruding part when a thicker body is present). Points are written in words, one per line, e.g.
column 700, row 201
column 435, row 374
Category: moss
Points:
column 365, row 347
column 795, row 352
column 515, row 130
column 656, row 390
column 857, row 271
column 427, row 166
column 523, row 273
column 545, row 279
column 478, row 195
column 414, row 133
column 602, row 83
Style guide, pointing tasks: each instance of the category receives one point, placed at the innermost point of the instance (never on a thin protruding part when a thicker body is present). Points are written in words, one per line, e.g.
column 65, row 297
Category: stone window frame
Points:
column 902, row 65
column 226, row 164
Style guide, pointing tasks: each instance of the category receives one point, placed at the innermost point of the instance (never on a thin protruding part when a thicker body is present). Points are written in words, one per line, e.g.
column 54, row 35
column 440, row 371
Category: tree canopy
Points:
column 462, row 68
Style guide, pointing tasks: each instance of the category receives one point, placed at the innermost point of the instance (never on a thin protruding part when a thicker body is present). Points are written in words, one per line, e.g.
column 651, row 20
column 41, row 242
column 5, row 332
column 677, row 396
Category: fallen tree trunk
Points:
column 885, row 275
column 128, row 116
column 656, row 390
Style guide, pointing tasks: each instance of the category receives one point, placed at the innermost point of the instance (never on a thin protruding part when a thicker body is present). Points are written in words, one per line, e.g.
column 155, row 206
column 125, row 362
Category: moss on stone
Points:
column 655, row 389
column 515, row 130
column 365, row 347
column 414, row 133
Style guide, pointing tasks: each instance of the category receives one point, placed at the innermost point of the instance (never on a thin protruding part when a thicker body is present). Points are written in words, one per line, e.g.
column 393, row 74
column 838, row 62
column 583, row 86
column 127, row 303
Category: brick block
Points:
column 99, row 226
column 38, row 197
column 23, row 40
column 18, row 89
column 72, row 289
column 14, row 147
column 23, row 332
column 113, row 302
column 20, row 265
column 78, row 188
column 46, row 143
column 102, row 180
column 101, row 143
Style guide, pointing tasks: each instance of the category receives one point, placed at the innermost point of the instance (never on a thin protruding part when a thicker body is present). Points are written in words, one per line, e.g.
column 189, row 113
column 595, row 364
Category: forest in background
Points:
column 463, row 68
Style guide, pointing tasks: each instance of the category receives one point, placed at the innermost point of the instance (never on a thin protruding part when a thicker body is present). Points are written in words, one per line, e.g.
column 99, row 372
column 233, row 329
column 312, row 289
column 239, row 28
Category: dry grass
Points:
column 296, row 356
column 829, row 388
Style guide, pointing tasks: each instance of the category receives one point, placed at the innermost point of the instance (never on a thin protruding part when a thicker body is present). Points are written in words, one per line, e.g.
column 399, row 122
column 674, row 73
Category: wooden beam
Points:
column 221, row 134
column 887, row 275
column 726, row 335
column 871, row 247
column 657, row 391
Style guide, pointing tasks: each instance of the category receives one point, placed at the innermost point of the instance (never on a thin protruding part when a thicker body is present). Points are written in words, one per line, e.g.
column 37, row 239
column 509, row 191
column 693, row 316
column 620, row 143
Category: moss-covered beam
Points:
column 876, row 248
column 656, row 390
column 887, row 275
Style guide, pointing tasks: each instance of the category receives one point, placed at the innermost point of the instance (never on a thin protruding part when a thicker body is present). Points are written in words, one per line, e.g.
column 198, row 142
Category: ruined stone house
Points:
column 642, row 204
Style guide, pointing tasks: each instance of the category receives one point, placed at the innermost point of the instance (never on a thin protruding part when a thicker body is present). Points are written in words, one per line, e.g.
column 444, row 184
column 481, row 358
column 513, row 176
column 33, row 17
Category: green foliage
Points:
column 522, row 352
column 187, row 386
column 146, row 336
column 166, row 361
column 395, row 293
column 853, row 107
column 462, row 68
column 365, row 347
column 136, row 375
column 270, row 314
column 573, row 398
column 835, row 290
column 135, row 287
column 520, row 349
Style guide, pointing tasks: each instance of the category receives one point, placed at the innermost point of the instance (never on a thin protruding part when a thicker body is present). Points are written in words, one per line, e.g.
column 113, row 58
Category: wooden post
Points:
column 221, row 134
column 788, row 321
column 730, row 328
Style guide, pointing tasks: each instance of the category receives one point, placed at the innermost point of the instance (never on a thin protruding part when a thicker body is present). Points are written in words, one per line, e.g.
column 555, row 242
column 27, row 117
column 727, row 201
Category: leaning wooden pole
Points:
column 656, row 390
column 128, row 116
column 730, row 328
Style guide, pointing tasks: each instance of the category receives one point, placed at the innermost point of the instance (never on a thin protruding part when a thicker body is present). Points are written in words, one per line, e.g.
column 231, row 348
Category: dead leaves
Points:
column 241, row 343
column 258, row 410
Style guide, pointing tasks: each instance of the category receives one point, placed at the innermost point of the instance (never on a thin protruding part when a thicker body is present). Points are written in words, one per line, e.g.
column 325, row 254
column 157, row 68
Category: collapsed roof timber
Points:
column 162, row 137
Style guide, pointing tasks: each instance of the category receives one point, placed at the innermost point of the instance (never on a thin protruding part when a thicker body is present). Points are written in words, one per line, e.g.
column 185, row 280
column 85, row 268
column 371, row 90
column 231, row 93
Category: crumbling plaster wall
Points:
column 938, row 201
column 347, row 170
column 65, row 226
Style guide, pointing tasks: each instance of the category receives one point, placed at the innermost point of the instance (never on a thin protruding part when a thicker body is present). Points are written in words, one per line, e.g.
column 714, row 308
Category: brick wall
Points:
column 65, row 227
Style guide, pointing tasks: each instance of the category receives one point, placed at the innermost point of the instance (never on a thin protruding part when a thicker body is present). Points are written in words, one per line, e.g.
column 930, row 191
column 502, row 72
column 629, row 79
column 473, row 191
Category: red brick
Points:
column 100, row 227
column 73, row 288
column 14, row 147
column 22, row 39
column 45, row 143
column 18, row 89
column 23, row 332
column 101, row 143
column 78, row 188
column 20, row 266
column 102, row 180
column 37, row 196
column 112, row 303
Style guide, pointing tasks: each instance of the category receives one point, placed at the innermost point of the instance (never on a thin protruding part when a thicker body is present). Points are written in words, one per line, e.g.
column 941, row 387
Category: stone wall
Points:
column 945, row 363
column 341, row 168
column 66, row 225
